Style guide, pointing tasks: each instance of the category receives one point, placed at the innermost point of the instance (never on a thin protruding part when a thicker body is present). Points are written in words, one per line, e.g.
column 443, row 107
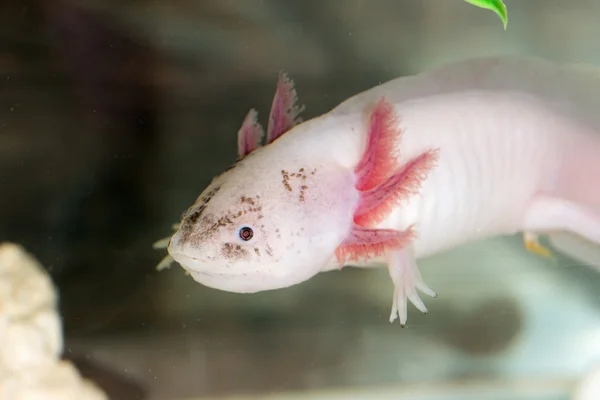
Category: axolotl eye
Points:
column 245, row 233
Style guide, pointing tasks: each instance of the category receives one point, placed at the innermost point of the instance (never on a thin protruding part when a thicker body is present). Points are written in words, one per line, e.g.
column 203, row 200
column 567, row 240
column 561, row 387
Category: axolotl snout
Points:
column 407, row 169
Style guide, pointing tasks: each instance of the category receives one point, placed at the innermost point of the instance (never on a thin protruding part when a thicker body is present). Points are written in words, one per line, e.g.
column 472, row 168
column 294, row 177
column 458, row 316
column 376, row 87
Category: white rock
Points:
column 31, row 335
column 589, row 388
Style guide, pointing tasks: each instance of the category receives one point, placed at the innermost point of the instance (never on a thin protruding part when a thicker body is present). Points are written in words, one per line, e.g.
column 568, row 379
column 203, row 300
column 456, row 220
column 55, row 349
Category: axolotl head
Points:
column 270, row 221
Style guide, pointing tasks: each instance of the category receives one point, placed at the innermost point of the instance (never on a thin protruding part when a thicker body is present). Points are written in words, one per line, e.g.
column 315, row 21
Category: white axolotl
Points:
column 410, row 168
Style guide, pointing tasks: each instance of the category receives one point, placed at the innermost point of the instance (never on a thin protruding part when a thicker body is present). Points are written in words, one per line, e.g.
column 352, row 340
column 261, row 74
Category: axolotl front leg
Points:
column 383, row 184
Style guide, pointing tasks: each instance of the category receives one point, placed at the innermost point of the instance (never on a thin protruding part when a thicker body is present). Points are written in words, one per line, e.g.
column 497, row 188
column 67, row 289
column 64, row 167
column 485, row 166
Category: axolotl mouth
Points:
column 229, row 280
column 190, row 264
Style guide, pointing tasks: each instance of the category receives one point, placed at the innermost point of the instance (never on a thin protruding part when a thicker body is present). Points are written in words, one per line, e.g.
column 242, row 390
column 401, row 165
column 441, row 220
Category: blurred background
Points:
column 114, row 115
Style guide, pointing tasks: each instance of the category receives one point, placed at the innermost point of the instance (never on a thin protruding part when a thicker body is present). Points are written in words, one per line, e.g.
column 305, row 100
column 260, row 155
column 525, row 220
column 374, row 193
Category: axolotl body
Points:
column 407, row 169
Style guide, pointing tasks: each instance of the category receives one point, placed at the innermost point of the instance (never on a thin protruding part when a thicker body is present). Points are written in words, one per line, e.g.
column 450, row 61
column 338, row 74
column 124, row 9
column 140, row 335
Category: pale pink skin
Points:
column 518, row 143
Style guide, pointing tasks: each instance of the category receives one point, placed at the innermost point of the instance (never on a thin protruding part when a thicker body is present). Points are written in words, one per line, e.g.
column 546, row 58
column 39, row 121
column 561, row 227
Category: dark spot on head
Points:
column 189, row 219
column 193, row 217
column 287, row 185
column 234, row 252
column 231, row 167
column 250, row 201
column 204, row 199
column 224, row 221
column 301, row 174
column 269, row 249
column 212, row 227
column 302, row 192
column 257, row 251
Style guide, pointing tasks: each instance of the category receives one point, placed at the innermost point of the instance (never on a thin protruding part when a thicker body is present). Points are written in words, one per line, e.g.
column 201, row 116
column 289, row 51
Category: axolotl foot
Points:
column 407, row 281
column 533, row 245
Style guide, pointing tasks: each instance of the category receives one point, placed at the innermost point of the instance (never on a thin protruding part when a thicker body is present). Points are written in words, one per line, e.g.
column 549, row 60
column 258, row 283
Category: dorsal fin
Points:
column 284, row 111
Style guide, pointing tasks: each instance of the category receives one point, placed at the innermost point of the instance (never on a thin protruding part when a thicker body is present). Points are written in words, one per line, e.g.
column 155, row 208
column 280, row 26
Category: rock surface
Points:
column 31, row 335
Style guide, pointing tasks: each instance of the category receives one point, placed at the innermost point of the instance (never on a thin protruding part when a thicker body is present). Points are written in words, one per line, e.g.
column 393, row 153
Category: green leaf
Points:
column 496, row 6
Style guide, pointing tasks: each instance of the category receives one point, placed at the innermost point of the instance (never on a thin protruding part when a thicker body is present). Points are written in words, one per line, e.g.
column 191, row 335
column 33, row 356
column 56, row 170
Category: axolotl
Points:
column 405, row 170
